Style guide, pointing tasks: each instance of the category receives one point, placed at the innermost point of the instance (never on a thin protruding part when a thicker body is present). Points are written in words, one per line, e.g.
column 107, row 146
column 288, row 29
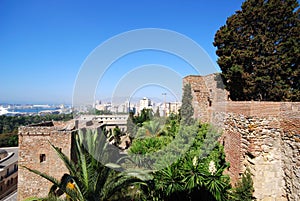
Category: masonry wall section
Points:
column 264, row 136
column 36, row 153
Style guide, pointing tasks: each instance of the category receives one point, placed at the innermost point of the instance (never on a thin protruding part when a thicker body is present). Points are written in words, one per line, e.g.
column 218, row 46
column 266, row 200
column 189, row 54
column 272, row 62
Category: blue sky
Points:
column 44, row 43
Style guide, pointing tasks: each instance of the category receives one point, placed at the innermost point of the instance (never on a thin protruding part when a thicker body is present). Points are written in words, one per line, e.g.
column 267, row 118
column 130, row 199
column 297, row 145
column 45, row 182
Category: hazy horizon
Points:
column 45, row 43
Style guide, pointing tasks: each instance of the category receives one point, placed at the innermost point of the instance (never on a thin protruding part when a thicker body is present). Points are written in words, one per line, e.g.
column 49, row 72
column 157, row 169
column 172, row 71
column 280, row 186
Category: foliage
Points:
column 187, row 110
column 149, row 145
column 192, row 176
column 135, row 122
column 89, row 179
column 157, row 114
column 259, row 51
column 8, row 140
column 131, row 126
column 145, row 115
column 150, row 128
column 117, row 133
column 9, row 125
column 172, row 125
column 191, row 158
column 48, row 198
column 244, row 188
column 102, row 112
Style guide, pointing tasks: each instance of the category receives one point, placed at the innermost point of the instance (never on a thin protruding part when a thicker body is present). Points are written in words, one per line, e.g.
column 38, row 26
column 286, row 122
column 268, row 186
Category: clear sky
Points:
column 44, row 43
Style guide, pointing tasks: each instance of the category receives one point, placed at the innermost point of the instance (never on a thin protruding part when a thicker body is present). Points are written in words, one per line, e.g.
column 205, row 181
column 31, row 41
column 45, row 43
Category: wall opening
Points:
column 42, row 158
column 209, row 101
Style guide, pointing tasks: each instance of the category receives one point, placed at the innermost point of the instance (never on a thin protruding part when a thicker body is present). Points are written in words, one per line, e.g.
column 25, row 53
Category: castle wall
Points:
column 270, row 147
column 290, row 156
column 36, row 153
column 260, row 150
column 264, row 136
column 208, row 92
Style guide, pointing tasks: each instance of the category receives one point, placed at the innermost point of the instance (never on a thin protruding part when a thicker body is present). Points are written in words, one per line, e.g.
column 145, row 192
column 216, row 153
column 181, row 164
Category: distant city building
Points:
column 145, row 103
column 8, row 170
column 109, row 121
column 165, row 109
column 172, row 107
column 103, row 107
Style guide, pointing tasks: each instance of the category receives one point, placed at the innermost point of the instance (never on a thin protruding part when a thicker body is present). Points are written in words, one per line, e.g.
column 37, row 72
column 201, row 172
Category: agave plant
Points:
column 89, row 179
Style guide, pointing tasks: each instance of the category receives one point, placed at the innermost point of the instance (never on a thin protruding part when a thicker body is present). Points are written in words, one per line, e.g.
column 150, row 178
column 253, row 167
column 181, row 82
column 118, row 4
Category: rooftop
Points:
column 12, row 156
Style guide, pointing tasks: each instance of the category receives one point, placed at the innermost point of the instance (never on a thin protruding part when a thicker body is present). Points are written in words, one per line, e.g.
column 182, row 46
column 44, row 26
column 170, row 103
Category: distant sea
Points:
column 31, row 110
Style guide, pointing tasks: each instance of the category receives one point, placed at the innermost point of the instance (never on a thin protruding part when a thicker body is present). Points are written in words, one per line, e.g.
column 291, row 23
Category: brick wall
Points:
column 36, row 153
column 231, row 141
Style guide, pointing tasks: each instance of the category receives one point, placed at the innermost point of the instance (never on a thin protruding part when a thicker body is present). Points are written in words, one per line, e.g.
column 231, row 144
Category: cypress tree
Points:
column 187, row 110
column 259, row 51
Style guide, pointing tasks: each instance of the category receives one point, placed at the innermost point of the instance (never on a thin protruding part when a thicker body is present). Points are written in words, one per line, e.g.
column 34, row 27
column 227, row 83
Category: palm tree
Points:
column 89, row 179
column 150, row 128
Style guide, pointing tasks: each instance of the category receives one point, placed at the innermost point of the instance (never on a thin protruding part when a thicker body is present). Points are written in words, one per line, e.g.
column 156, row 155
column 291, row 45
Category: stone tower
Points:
column 209, row 96
column 35, row 152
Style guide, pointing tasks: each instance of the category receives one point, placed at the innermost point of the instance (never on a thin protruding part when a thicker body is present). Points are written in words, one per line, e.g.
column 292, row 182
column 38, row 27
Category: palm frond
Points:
column 68, row 163
column 34, row 199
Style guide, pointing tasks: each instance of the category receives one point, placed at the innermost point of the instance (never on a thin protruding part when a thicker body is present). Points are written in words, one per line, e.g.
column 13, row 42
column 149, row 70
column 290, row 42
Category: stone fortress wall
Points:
column 263, row 136
column 35, row 152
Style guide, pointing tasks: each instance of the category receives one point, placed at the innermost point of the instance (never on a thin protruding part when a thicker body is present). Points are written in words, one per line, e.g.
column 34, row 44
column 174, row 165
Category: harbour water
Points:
column 14, row 110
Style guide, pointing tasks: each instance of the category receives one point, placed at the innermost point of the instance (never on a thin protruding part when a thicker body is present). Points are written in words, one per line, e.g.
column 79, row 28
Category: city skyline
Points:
column 44, row 44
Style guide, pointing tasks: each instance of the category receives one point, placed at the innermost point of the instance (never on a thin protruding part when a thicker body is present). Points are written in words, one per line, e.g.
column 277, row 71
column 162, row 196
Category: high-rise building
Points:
column 145, row 103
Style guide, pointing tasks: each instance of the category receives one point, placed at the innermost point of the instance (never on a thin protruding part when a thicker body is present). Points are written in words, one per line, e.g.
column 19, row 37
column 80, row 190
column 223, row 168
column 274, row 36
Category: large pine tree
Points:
column 259, row 51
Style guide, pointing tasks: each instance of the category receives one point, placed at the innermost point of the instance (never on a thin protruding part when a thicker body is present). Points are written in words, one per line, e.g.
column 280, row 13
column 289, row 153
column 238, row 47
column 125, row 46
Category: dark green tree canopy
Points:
column 259, row 51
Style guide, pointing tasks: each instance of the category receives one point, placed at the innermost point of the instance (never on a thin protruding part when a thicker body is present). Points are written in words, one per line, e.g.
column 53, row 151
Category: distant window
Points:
column 42, row 158
column 0, row 188
column 7, row 172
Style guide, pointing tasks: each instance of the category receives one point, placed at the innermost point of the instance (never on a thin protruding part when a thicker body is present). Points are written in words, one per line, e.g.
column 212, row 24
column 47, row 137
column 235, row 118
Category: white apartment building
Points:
column 145, row 103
